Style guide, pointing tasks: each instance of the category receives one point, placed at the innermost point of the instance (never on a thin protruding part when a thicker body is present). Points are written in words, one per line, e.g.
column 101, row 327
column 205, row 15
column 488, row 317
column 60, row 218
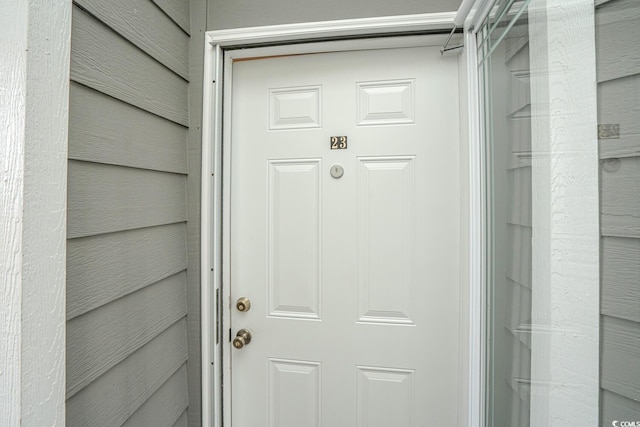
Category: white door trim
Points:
column 476, row 236
column 363, row 27
column 284, row 39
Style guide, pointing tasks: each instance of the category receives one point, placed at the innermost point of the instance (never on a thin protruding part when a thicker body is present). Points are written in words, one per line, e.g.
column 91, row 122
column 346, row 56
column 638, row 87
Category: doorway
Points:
column 342, row 195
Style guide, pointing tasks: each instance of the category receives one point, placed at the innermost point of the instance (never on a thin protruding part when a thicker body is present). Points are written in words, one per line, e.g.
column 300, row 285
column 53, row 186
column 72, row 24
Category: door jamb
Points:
column 476, row 217
column 352, row 34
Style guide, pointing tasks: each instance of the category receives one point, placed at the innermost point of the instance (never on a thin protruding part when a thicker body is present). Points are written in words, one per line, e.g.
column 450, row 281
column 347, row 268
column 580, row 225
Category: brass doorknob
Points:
column 243, row 337
column 243, row 304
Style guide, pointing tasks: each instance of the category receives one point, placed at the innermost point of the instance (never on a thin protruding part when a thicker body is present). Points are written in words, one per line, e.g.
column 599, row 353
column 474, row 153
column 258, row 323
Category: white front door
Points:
column 350, row 257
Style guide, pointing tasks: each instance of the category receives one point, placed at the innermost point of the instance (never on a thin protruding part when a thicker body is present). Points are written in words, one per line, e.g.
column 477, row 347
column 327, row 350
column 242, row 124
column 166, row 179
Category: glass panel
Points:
column 548, row 267
column 508, row 135
column 617, row 31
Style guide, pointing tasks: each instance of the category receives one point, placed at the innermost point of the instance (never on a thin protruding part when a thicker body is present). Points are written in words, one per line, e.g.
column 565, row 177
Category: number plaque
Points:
column 338, row 142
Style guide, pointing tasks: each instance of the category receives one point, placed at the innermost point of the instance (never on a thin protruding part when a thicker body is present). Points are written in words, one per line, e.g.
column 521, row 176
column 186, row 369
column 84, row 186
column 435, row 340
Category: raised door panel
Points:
column 385, row 240
column 294, row 238
column 385, row 397
column 294, row 393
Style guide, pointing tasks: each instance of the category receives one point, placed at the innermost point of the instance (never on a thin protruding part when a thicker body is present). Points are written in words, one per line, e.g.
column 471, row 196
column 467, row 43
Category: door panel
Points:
column 294, row 234
column 354, row 280
column 385, row 397
column 385, row 239
column 294, row 393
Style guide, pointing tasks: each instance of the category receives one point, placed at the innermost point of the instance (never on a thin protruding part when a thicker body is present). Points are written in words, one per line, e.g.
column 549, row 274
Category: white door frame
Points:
column 221, row 48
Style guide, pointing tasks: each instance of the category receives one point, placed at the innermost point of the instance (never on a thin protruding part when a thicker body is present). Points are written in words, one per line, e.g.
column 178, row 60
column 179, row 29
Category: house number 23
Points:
column 338, row 142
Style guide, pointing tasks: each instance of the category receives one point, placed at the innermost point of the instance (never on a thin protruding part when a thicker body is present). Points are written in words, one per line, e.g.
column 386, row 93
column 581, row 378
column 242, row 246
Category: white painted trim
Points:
column 323, row 30
column 226, row 233
column 482, row 8
column 211, row 226
column 35, row 46
column 477, row 249
column 464, row 371
column 214, row 139
column 463, row 12
column 338, row 46
column 207, row 319
column 13, row 65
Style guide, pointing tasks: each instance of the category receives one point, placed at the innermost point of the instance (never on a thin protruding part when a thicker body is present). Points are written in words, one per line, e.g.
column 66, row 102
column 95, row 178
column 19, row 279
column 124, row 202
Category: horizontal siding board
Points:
column 520, row 142
column 165, row 406
column 103, row 199
column 616, row 11
column 142, row 23
column 519, row 196
column 620, row 364
column 617, row 408
column 518, row 366
column 616, row 36
column 618, row 104
column 621, row 278
column 515, row 58
column 514, row 44
column 104, row 337
column 519, row 254
column 105, row 61
column 105, row 130
column 628, row 145
column 518, row 311
column 620, row 198
column 103, row 268
column 177, row 10
column 116, row 395
column 519, row 103
column 182, row 421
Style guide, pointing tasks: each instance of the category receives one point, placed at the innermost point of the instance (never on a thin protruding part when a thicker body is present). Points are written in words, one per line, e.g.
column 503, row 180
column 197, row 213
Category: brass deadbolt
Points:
column 243, row 304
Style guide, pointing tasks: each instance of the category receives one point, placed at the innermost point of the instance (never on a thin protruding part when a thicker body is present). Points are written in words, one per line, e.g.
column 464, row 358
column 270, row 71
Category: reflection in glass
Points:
column 508, row 135
column 617, row 35
column 525, row 324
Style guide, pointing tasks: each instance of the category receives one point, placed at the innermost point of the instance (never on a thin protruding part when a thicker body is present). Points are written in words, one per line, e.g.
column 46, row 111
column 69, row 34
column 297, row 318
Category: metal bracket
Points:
column 446, row 49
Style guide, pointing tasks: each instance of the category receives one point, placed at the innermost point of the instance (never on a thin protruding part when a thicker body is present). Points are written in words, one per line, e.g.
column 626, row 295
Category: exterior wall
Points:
column 132, row 211
column 225, row 14
column 618, row 64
